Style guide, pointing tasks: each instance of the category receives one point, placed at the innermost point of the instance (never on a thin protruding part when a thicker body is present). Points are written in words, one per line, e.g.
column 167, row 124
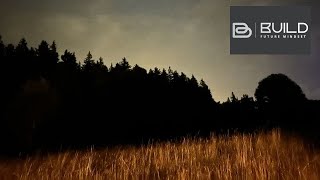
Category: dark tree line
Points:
column 53, row 101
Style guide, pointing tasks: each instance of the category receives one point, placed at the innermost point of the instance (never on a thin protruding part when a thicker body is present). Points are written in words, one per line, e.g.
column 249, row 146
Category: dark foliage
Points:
column 52, row 103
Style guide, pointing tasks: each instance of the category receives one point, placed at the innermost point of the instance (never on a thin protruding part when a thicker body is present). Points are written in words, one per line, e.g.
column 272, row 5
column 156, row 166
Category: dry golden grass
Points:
column 260, row 156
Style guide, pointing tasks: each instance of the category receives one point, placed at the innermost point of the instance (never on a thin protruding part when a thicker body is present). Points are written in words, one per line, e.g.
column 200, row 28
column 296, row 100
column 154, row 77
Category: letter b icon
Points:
column 241, row 30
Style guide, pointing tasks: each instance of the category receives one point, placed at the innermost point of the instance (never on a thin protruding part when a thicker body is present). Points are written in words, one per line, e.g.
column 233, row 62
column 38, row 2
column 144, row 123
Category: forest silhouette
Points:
column 50, row 101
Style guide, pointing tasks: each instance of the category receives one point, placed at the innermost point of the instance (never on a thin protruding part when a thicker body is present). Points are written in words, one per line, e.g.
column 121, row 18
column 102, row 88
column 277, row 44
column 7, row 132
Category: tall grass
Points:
column 260, row 156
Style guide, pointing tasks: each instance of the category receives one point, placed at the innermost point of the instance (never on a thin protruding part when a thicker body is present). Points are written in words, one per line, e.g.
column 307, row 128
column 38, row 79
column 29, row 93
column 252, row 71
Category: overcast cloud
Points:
column 191, row 36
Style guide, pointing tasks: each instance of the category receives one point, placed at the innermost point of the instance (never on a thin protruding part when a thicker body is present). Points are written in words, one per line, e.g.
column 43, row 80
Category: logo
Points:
column 270, row 30
column 241, row 30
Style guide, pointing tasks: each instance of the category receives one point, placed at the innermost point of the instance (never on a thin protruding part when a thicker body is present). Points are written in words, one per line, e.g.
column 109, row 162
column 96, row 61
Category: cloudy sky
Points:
column 191, row 36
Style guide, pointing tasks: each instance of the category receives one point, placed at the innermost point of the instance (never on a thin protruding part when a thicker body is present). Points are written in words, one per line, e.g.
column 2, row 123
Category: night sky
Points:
column 191, row 36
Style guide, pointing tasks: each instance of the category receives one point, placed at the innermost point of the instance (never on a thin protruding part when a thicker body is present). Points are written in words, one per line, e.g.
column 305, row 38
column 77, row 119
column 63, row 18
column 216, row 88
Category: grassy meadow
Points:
column 269, row 155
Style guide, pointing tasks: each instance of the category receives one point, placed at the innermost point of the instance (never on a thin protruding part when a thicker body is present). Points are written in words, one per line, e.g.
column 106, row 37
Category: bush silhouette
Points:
column 281, row 98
